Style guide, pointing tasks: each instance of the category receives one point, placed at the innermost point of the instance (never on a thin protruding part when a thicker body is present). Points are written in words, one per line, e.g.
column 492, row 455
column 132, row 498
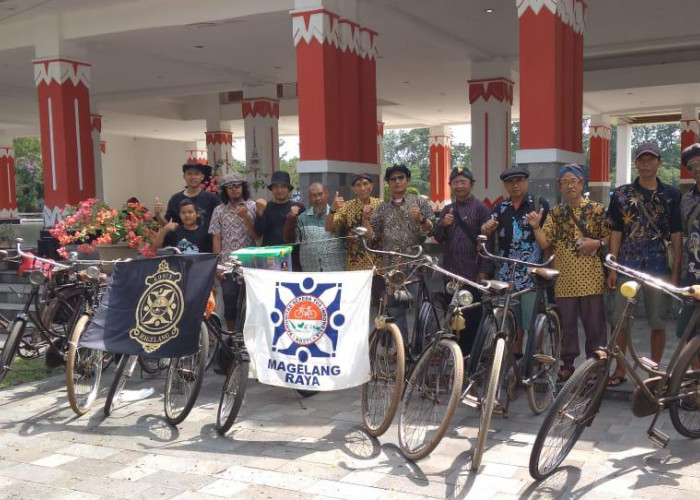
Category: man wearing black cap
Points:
column 205, row 201
column 272, row 216
column 515, row 237
column 690, row 216
column 645, row 219
column 457, row 227
column 346, row 216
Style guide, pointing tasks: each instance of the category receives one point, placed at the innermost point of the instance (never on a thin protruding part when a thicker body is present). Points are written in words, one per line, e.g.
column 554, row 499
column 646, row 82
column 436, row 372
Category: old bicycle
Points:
column 675, row 387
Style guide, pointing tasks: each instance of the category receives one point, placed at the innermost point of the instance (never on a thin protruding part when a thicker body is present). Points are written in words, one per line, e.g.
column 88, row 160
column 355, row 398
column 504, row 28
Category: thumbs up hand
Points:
column 158, row 207
column 338, row 201
column 449, row 218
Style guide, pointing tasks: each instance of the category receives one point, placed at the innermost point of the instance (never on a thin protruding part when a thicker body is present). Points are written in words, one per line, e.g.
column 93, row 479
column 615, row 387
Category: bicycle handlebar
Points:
column 23, row 254
column 481, row 247
column 430, row 263
column 674, row 291
column 361, row 233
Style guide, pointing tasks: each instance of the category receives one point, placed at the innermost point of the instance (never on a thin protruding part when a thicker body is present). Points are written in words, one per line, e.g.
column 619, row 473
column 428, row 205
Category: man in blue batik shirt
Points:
column 516, row 239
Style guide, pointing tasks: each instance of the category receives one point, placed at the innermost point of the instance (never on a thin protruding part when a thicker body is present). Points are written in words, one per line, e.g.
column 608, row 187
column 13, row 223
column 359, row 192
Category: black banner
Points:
column 153, row 307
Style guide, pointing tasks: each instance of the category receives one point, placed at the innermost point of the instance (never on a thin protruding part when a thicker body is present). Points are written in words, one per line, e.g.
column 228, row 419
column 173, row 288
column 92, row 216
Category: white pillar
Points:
column 261, row 112
column 97, row 147
column 624, row 154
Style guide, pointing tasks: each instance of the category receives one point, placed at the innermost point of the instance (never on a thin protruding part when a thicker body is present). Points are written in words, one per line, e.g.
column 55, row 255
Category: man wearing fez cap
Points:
column 643, row 216
column 690, row 217
column 457, row 228
column 516, row 239
column 205, row 201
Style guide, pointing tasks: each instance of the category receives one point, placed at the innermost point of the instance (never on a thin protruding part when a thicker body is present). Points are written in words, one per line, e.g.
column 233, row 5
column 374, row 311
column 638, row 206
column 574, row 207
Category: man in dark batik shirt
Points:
column 457, row 227
column 516, row 239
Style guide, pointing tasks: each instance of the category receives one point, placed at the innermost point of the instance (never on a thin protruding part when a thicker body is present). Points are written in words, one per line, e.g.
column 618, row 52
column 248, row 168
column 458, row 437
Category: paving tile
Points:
column 89, row 451
column 296, row 482
column 54, row 460
column 226, row 488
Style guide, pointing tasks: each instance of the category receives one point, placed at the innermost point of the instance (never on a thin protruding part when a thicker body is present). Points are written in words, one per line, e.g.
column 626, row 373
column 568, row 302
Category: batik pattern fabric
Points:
column 691, row 247
column 580, row 274
column 226, row 222
column 642, row 246
column 345, row 220
column 516, row 239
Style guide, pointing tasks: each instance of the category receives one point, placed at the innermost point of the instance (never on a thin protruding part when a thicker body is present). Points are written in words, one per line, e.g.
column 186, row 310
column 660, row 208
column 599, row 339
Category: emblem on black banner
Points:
column 159, row 309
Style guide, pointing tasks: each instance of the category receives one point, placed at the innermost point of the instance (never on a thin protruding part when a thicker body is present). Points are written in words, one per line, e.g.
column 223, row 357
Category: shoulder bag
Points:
column 668, row 248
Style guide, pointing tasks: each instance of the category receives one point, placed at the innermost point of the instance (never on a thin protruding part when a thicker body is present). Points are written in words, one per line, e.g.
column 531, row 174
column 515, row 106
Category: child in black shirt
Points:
column 190, row 237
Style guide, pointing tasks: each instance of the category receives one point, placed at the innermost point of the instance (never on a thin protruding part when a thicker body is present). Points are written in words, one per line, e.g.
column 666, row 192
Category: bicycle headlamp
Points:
column 396, row 278
column 451, row 287
column 93, row 273
column 37, row 277
column 629, row 289
column 464, row 298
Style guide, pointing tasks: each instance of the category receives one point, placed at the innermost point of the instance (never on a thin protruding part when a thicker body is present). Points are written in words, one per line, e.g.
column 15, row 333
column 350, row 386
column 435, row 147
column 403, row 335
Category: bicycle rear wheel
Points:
column 125, row 369
column 184, row 379
column 10, row 347
column 232, row 395
column 83, row 370
column 685, row 380
column 380, row 396
column 544, row 362
column 213, row 326
column 573, row 409
column 430, row 398
column 152, row 366
column 488, row 401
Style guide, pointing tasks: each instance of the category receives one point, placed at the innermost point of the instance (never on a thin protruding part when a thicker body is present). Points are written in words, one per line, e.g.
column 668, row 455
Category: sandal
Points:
column 565, row 373
column 616, row 380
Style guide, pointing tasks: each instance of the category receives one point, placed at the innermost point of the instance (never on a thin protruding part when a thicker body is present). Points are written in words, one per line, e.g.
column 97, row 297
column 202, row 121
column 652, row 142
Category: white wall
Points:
column 141, row 167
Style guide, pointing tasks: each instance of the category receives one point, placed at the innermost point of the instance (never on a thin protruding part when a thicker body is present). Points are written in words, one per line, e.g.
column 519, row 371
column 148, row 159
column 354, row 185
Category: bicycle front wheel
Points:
column 184, row 379
column 430, row 398
column 573, row 409
column 232, row 395
column 544, row 362
column 83, row 370
column 488, row 401
column 125, row 368
column 685, row 382
column 10, row 347
column 380, row 396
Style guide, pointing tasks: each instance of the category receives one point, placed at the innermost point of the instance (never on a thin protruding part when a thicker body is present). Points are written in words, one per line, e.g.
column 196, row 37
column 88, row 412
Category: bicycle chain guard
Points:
column 641, row 406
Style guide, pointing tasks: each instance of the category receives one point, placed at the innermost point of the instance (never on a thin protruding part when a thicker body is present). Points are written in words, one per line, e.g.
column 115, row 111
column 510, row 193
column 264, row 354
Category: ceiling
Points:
column 153, row 60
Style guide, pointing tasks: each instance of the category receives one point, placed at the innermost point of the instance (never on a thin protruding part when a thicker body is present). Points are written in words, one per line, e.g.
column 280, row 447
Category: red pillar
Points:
column 599, row 181
column 439, row 142
column 690, row 130
column 219, row 144
column 8, row 193
column 63, row 88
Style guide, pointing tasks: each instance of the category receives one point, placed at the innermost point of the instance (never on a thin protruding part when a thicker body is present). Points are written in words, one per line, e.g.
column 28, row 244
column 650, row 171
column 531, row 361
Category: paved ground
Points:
column 283, row 448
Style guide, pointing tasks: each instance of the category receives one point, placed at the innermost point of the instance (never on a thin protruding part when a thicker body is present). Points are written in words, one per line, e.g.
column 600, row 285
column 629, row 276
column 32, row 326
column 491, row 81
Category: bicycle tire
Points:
column 213, row 322
column 152, row 366
column 305, row 394
column 184, row 380
column 574, row 408
column 125, row 369
column 57, row 316
column 7, row 354
column 386, row 384
column 682, row 381
column 428, row 326
column 542, row 390
column 488, row 402
column 232, row 395
column 83, row 370
column 423, row 387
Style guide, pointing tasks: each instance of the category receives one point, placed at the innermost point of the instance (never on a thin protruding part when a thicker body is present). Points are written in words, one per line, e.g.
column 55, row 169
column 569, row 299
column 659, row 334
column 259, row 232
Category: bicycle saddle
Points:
column 496, row 286
column 543, row 272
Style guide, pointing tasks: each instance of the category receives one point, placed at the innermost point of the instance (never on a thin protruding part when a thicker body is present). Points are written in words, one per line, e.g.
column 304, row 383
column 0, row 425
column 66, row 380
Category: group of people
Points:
column 643, row 225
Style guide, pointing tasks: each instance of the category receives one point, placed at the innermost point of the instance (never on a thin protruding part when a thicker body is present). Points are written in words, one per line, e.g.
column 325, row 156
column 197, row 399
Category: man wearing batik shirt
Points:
column 516, row 239
column 457, row 227
column 643, row 216
column 399, row 224
column 690, row 217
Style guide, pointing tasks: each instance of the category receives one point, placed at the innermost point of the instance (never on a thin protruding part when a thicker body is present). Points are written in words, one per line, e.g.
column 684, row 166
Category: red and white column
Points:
column 261, row 113
column 380, row 149
column 491, row 100
column 219, row 149
column 8, row 193
column 98, row 148
column 690, row 130
column 439, row 143
column 599, row 177
column 336, row 79
column 63, row 88
column 196, row 156
column 551, row 88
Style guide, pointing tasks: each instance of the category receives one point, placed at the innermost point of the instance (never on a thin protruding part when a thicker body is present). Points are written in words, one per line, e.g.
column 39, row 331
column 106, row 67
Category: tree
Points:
column 29, row 174
column 461, row 155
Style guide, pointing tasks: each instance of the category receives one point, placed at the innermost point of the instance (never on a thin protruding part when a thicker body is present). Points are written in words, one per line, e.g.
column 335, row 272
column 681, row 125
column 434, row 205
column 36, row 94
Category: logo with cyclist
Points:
column 306, row 319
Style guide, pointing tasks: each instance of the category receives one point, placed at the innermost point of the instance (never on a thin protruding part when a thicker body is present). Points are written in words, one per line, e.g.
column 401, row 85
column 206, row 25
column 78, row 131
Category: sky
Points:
column 460, row 134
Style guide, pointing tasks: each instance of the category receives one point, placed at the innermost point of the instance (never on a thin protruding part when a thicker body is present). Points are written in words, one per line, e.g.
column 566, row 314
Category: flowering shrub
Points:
column 93, row 223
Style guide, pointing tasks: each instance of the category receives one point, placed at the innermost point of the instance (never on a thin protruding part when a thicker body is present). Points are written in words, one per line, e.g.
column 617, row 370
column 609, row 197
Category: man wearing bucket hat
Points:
column 690, row 217
column 576, row 230
column 272, row 215
column 205, row 201
column 232, row 228
column 645, row 219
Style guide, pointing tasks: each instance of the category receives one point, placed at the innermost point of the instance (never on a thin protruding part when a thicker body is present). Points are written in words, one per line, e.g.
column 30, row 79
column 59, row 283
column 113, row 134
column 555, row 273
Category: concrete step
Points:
column 10, row 310
column 11, row 277
column 14, row 293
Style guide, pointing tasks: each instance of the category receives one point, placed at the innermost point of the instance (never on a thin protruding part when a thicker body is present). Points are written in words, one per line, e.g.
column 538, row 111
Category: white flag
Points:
column 308, row 331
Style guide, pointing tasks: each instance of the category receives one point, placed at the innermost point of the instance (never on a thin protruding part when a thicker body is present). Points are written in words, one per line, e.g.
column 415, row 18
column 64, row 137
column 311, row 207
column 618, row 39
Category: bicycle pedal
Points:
column 648, row 363
column 498, row 408
column 659, row 438
column 544, row 359
column 471, row 401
